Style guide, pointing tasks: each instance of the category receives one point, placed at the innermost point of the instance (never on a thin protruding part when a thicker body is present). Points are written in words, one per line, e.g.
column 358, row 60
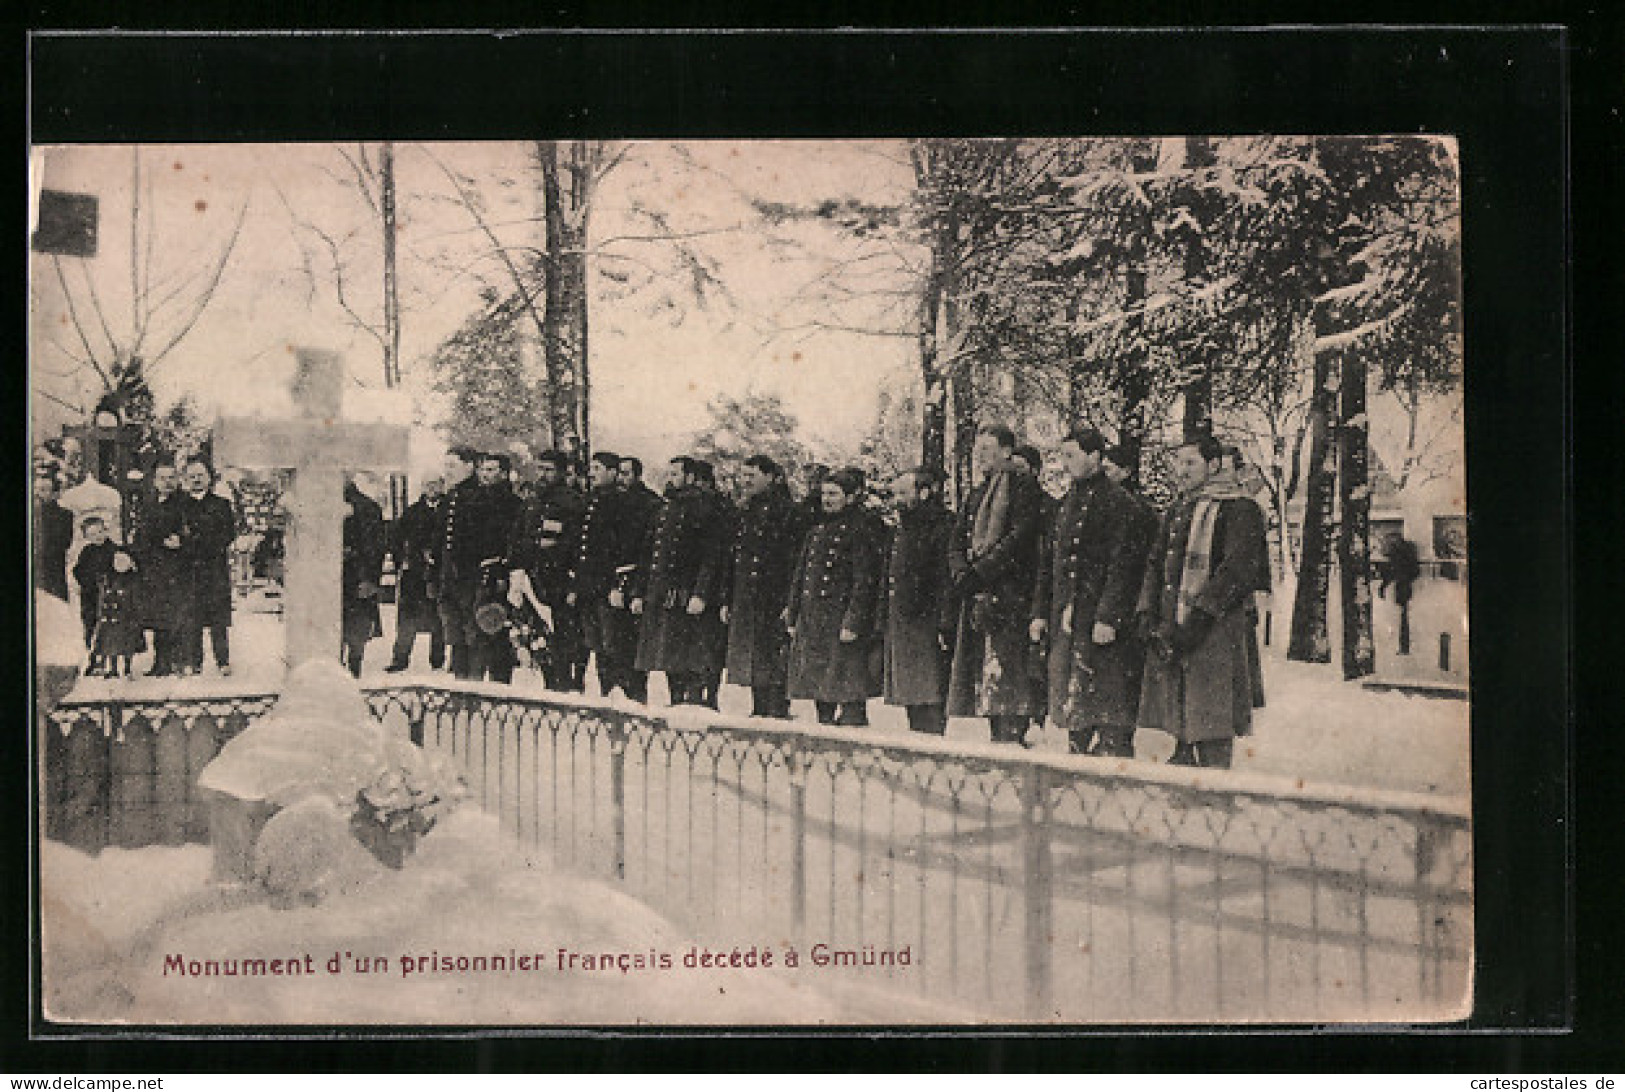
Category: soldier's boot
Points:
column 1080, row 741
column 1114, row 741
column 927, row 719
column 853, row 714
column 1008, row 729
column 1215, row 753
column 826, row 711
column 1184, row 755
column 459, row 661
column 635, row 685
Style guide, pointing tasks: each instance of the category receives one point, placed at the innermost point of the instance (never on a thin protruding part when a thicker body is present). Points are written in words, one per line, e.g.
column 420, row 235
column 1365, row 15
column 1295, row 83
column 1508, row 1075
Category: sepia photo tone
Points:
column 884, row 582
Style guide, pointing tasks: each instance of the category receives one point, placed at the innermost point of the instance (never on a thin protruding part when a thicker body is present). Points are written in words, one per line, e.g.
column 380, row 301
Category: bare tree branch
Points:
column 78, row 326
column 207, row 295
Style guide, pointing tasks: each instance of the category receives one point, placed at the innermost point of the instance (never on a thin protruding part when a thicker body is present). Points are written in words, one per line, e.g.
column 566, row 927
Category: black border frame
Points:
column 1502, row 90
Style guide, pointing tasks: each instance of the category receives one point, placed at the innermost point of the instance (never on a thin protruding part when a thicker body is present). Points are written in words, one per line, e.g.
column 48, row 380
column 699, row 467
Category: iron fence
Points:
column 991, row 883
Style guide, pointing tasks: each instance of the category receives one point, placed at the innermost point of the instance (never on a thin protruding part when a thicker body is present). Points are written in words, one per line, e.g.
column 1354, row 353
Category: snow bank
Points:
column 319, row 740
column 58, row 633
column 467, row 892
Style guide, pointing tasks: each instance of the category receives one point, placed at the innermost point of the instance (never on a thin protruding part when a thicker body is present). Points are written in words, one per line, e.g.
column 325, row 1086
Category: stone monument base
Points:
column 234, row 827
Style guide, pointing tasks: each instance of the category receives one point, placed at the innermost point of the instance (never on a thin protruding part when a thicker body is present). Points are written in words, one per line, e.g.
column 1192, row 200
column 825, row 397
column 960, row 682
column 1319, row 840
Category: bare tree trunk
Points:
column 392, row 303
column 1354, row 529
column 392, row 300
column 556, row 349
column 1310, row 641
column 573, row 263
column 1198, row 416
column 934, row 406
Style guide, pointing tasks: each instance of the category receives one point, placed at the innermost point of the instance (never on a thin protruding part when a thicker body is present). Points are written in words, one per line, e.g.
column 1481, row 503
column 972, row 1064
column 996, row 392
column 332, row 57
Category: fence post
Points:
column 797, row 766
column 617, row 793
column 1037, row 889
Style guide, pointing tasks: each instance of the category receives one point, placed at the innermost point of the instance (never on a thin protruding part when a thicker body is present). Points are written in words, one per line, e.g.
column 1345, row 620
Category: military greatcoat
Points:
column 837, row 586
column 1091, row 576
column 997, row 671
column 686, row 557
column 764, row 560
column 918, row 607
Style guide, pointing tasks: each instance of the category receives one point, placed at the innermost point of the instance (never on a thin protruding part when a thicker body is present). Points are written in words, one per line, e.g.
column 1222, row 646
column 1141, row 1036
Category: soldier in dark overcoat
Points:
column 413, row 548
column 473, row 566
column 993, row 557
column 1118, row 465
column 441, row 582
column 831, row 612
column 918, row 606
column 678, row 590
column 211, row 528
column 541, row 554
column 166, row 585
column 359, row 573
column 764, row 560
column 601, row 551
column 1208, row 557
column 1084, row 602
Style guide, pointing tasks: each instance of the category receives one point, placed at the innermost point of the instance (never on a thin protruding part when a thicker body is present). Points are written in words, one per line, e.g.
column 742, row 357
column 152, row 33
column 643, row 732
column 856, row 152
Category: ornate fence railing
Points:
column 992, row 883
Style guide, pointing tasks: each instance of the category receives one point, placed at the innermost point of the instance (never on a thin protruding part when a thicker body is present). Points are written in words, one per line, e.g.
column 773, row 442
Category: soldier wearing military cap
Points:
column 764, row 559
column 918, row 608
column 993, row 556
column 1088, row 585
column 472, row 567
column 541, row 553
column 831, row 612
column 611, row 532
column 678, row 590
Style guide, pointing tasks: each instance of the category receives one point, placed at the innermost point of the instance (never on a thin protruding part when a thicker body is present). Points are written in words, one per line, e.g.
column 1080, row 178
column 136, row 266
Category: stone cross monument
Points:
column 319, row 446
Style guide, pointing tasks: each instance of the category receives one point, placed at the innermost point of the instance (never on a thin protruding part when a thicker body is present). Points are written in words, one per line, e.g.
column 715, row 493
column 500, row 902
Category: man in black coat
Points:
column 609, row 538
column 166, row 585
column 993, row 556
column 363, row 565
column 1084, row 601
column 764, row 558
column 1118, row 465
column 415, row 611
column 834, row 596
column 678, row 591
column 453, row 594
column 918, row 607
column 473, row 564
column 53, row 535
column 540, row 555
column 211, row 528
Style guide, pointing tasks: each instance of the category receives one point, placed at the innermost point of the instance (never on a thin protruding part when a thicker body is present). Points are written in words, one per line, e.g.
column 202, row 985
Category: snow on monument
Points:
column 297, row 798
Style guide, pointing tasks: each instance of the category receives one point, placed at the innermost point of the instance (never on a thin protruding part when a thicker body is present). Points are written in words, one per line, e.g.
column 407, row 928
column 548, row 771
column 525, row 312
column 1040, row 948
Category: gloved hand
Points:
column 1190, row 633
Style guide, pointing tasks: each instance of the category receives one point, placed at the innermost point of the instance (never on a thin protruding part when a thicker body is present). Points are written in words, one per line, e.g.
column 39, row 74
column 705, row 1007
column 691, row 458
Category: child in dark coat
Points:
column 95, row 561
column 118, row 620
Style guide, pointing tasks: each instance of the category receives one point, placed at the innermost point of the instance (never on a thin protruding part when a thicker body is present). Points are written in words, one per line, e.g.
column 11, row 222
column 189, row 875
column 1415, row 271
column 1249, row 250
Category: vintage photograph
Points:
column 926, row 582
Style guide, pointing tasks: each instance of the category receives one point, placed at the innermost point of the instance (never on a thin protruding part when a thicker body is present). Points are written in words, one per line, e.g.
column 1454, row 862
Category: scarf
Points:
column 992, row 514
column 1198, row 567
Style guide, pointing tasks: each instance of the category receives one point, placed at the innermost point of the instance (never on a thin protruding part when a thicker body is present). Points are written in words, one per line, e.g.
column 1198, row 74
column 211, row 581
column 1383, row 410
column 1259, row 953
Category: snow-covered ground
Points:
column 112, row 923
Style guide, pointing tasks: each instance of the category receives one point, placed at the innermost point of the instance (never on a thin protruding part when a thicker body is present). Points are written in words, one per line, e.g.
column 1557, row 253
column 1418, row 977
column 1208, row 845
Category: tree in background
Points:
column 757, row 424
column 496, row 401
column 107, row 348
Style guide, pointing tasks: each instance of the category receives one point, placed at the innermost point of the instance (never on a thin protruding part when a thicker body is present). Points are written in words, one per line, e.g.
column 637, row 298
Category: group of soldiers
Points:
column 1088, row 609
